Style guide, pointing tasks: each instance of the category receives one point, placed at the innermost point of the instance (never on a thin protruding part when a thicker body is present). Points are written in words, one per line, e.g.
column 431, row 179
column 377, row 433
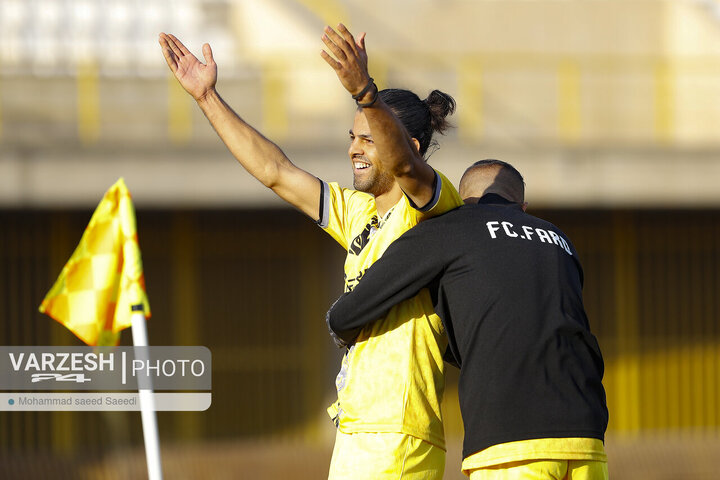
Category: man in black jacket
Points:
column 508, row 287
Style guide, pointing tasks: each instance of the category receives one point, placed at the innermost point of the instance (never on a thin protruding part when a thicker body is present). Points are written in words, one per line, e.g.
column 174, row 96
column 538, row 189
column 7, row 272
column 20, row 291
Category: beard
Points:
column 376, row 184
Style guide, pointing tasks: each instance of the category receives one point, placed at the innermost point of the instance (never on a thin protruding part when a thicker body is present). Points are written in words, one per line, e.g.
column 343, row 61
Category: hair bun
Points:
column 441, row 105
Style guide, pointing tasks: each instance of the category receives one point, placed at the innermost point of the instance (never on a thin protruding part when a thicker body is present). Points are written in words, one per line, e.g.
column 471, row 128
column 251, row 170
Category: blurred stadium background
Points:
column 610, row 108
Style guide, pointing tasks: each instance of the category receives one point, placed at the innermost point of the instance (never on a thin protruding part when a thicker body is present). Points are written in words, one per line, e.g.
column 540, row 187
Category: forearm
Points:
column 262, row 158
column 408, row 265
column 398, row 152
column 258, row 155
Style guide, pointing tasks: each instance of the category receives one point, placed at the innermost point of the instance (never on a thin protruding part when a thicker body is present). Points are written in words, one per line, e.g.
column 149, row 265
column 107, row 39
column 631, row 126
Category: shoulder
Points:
column 440, row 224
column 353, row 202
column 542, row 223
column 445, row 197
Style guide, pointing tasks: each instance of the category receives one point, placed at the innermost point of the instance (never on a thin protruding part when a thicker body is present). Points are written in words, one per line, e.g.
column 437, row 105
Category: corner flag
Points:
column 103, row 278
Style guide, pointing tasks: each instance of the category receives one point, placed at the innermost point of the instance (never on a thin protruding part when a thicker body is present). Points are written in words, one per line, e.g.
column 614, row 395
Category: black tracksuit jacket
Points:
column 508, row 287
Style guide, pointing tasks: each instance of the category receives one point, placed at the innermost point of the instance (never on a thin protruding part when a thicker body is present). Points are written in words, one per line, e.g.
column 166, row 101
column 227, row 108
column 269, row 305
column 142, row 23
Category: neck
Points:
column 385, row 201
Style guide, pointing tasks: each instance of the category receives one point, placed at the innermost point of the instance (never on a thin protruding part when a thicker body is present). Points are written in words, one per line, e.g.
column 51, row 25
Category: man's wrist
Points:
column 368, row 97
column 210, row 96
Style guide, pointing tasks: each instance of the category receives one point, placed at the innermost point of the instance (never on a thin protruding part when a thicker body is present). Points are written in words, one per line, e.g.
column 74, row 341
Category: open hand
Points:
column 350, row 58
column 196, row 78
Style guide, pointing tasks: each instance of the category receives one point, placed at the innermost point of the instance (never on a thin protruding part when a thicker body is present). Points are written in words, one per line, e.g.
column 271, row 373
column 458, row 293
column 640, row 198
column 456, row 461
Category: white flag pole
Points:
column 147, row 400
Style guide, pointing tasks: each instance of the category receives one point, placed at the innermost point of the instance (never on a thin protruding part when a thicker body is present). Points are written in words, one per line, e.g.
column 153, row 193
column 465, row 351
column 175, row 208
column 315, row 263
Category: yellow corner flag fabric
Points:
column 104, row 278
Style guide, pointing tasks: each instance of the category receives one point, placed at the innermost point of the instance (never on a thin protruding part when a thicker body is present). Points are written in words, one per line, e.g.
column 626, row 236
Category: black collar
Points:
column 495, row 199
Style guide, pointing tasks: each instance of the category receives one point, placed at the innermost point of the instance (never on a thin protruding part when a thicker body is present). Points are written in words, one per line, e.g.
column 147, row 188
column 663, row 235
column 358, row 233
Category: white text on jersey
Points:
column 527, row 233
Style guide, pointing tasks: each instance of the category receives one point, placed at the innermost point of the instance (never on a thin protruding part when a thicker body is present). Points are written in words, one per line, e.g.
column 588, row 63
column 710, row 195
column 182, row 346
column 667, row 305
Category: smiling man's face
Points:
column 368, row 173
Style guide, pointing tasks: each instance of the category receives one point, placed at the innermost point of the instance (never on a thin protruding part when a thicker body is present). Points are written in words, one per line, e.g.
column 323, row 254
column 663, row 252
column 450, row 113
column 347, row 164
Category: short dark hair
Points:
column 421, row 118
column 492, row 161
column 508, row 182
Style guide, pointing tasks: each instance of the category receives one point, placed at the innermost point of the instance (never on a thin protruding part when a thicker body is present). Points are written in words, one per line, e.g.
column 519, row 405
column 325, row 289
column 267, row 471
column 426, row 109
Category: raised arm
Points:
column 410, row 263
column 397, row 150
column 259, row 156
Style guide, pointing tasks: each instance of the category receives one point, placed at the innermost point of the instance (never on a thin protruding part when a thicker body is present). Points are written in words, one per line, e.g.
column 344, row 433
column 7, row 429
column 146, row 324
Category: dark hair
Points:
column 492, row 161
column 507, row 183
column 421, row 118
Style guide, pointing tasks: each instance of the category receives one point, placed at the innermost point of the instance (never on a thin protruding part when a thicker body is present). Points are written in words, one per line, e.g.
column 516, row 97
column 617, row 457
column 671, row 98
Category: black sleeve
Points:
column 348, row 336
column 324, row 208
column 410, row 263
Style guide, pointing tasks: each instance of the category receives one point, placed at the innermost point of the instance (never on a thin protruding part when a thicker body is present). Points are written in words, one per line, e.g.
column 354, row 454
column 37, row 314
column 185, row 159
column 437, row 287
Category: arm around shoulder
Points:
column 404, row 269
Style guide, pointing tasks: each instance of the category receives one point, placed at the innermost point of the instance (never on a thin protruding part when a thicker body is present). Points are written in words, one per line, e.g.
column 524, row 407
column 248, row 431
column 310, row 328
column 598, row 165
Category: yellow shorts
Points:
column 543, row 470
column 385, row 456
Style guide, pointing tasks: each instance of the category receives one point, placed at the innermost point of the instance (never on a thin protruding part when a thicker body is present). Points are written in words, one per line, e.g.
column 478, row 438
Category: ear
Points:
column 417, row 145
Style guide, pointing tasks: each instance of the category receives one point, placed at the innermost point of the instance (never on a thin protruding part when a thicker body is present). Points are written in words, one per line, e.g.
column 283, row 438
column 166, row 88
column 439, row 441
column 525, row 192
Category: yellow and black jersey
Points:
column 391, row 378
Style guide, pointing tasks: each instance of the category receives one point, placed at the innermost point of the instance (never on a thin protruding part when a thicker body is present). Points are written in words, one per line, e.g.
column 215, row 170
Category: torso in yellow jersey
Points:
column 391, row 379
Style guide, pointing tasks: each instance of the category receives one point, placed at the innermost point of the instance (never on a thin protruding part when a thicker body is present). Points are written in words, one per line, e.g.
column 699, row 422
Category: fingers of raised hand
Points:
column 176, row 51
column 179, row 45
column 347, row 36
column 207, row 53
column 330, row 61
column 346, row 41
column 170, row 57
column 360, row 45
column 334, row 47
